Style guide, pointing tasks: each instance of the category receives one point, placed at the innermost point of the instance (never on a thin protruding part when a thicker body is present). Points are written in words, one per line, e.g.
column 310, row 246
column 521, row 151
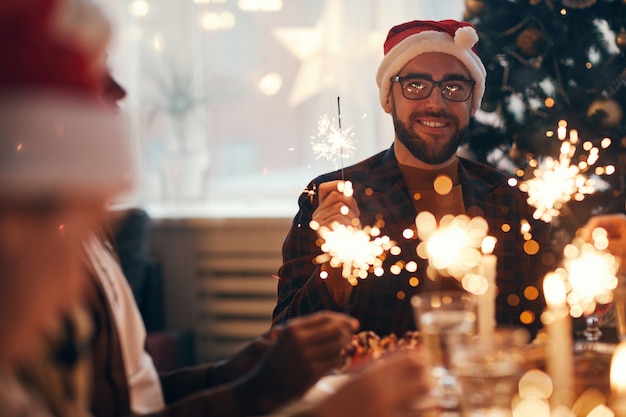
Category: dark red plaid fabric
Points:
column 382, row 304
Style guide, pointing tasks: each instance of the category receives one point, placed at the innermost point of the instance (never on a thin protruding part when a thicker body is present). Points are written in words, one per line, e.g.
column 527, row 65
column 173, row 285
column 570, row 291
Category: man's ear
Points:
column 388, row 106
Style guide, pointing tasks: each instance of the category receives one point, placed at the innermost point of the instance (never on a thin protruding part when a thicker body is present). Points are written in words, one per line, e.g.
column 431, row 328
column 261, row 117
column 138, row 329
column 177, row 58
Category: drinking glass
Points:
column 619, row 304
column 440, row 315
column 592, row 330
column 488, row 370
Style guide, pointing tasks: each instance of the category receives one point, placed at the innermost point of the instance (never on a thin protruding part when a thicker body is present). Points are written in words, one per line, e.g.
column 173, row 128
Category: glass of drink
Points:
column 592, row 330
column 488, row 370
column 440, row 316
column 619, row 303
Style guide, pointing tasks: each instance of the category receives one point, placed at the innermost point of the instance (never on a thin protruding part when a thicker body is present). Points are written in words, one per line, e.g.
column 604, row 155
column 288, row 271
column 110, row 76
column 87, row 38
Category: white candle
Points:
column 559, row 351
column 487, row 301
column 617, row 402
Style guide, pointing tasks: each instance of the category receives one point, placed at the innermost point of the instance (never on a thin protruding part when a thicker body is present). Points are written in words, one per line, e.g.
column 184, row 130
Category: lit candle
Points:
column 618, row 381
column 487, row 300
column 559, row 352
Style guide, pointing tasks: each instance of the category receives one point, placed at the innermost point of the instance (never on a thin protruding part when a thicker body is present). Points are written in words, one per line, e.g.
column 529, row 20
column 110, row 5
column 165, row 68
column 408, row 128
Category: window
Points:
column 225, row 96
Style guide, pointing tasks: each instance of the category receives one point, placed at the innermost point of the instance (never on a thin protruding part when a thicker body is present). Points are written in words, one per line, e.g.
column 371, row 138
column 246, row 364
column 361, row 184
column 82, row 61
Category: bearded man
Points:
column 431, row 81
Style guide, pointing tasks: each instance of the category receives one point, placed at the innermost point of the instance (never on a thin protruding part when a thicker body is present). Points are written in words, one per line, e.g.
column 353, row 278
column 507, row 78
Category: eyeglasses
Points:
column 419, row 88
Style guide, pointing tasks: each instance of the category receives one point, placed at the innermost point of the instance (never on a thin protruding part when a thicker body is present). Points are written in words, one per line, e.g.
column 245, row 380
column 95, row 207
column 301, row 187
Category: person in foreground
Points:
column 431, row 82
column 64, row 156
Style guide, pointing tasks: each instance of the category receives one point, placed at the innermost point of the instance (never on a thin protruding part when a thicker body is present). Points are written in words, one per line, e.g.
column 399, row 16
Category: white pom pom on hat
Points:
column 408, row 40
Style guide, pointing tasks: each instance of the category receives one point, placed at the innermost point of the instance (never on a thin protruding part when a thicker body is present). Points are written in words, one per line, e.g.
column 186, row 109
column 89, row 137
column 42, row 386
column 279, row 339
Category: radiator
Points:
column 219, row 278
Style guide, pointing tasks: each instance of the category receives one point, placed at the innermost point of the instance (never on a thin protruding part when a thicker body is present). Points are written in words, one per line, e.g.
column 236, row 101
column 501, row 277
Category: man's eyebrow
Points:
column 429, row 77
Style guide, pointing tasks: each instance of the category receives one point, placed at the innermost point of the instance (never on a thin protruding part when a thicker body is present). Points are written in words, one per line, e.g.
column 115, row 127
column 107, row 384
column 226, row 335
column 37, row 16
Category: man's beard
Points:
column 430, row 154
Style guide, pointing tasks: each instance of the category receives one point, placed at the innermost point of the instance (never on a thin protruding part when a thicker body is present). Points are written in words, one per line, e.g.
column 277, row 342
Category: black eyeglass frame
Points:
column 401, row 80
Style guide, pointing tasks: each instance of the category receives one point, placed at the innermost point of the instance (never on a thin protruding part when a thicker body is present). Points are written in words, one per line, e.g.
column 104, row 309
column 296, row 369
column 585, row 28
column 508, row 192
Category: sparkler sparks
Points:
column 334, row 143
column 455, row 247
column 358, row 251
column 557, row 181
column 589, row 273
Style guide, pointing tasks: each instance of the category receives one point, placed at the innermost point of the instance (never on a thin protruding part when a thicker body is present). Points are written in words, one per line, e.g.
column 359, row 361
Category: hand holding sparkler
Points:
column 350, row 252
column 615, row 226
column 336, row 205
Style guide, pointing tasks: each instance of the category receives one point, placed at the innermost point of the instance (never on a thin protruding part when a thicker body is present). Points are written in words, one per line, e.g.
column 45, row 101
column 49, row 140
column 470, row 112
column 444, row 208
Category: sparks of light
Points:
column 453, row 247
column 358, row 251
column 557, row 181
column 333, row 143
column 589, row 272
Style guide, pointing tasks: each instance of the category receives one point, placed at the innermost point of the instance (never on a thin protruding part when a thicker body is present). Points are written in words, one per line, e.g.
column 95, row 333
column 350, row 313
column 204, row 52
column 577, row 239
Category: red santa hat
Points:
column 56, row 133
column 408, row 40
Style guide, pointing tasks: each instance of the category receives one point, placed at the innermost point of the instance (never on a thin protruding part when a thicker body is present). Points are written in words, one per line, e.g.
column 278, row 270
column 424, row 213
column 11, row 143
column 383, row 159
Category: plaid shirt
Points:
column 382, row 304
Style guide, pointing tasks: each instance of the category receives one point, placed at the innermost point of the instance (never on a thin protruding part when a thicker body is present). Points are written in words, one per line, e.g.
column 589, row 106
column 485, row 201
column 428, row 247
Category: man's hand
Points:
column 336, row 204
column 388, row 387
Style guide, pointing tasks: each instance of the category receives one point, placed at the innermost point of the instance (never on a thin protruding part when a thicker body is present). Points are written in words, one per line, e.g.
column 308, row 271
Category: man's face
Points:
column 112, row 92
column 431, row 128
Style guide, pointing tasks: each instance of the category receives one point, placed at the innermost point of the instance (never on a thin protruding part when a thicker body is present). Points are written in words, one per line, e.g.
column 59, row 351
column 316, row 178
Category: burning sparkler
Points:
column 454, row 248
column 589, row 272
column 358, row 251
column 557, row 181
column 334, row 143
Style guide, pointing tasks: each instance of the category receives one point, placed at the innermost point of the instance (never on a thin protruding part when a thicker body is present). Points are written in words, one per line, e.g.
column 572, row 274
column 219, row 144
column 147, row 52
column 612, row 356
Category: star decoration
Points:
column 327, row 52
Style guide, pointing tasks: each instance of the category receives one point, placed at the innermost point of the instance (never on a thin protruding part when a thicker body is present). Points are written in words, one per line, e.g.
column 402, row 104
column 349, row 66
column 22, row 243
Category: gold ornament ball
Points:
column 474, row 7
column 620, row 38
column 612, row 112
column 528, row 41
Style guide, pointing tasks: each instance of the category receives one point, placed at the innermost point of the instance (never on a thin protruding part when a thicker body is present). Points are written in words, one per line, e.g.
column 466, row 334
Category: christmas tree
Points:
column 548, row 61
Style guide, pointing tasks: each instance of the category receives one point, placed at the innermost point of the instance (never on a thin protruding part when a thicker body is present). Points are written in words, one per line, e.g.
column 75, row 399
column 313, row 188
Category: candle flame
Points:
column 488, row 244
column 554, row 290
column 618, row 369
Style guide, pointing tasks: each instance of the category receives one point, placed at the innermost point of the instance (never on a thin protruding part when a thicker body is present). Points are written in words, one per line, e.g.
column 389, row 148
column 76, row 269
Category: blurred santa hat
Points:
column 56, row 133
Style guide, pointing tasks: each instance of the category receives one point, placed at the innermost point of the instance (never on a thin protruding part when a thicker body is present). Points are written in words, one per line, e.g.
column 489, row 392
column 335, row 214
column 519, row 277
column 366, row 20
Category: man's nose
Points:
column 435, row 99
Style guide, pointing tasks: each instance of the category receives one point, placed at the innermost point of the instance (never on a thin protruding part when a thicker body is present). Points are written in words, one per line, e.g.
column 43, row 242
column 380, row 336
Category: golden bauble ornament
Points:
column 620, row 38
column 474, row 7
column 529, row 42
column 609, row 111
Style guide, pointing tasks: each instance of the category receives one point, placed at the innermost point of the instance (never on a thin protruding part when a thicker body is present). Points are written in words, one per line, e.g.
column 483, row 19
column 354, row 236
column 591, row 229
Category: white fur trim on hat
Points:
column 433, row 41
column 55, row 144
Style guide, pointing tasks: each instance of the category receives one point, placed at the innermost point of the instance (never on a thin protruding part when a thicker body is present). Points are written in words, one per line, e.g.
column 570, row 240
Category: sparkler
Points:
column 334, row 143
column 358, row 251
column 589, row 272
column 455, row 248
column 557, row 181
